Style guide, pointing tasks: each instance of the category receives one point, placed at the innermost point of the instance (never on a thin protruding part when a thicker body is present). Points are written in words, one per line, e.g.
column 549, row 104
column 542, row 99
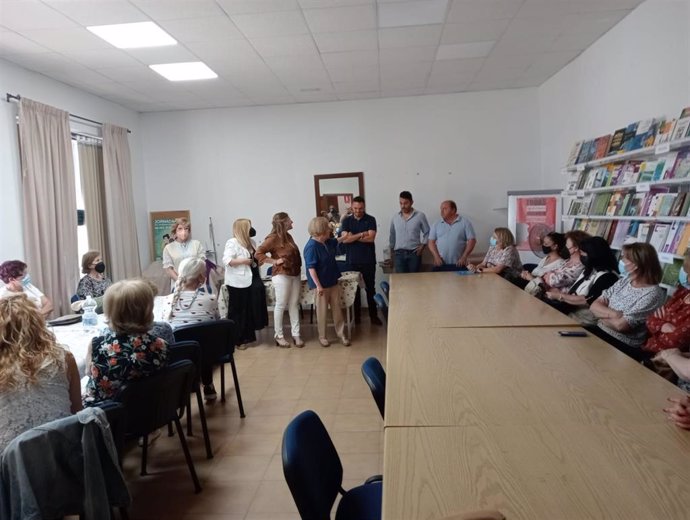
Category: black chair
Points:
column 115, row 412
column 381, row 305
column 152, row 402
column 192, row 351
column 314, row 474
column 217, row 339
column 386, row 288
column 375, row 376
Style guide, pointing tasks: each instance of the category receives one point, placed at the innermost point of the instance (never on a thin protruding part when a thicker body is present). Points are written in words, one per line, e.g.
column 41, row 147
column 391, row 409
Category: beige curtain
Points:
column 50, row 207
column 122, row 241
column 92, row 183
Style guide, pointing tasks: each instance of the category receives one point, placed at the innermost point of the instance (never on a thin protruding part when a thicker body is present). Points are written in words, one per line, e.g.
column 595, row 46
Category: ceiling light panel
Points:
column 189, row 71
column 404, row 14
column 133, row 35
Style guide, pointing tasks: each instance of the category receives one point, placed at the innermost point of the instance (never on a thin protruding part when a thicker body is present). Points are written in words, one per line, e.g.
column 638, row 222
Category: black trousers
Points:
column 369, row 274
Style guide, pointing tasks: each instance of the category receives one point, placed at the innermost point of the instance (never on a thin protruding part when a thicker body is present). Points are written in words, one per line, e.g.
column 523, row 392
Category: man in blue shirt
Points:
column 451, row 239
column 358, row 232
column 408, row 235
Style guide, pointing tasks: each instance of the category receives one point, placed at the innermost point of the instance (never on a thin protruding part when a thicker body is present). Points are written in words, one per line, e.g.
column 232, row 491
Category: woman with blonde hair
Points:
column 182, row 247
column 246, row 306
column 39, row 380
column 322, row 276
column 502, row 257
column 286, row 270
column 127, row 349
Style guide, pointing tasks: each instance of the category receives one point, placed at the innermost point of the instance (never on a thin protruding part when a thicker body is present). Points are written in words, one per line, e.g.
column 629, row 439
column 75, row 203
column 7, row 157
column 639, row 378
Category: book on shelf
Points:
column 636, row 205
column 683, row 241
column 665, row 132
column 682, row 125
column 629, row 137
column 658, row 234
column 672, row 237
column 630, row 173
column 667, row 164
column 574, row 153
column 652, row 201
column 601, row 146
column 643, row 232
column 646, row 133
column 667, row 200
column 617, row 142
column 620, row 235
column 633, row 232
column 584, row 150
column 670, row 272
column 681, row 170
column 677, row 204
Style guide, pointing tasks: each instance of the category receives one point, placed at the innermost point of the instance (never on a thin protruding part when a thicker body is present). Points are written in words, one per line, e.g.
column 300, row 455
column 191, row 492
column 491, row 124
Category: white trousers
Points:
column 287, row 289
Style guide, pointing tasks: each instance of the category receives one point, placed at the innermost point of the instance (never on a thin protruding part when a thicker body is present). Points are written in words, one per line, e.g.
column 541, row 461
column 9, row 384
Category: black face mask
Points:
column 585, row 260
column 545, row 249
column 100, row 267
column 252, row 232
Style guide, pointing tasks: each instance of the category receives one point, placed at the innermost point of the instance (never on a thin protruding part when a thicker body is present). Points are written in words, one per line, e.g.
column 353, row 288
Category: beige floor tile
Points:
column 360, row 466
column 273, row 496
column 320, row 406
column 253, row 444
column 275, row 469
column 239, row 467
column 357, row 422
column 273, row 407
column 264, row 424
column 357, row 442
column 358, row 405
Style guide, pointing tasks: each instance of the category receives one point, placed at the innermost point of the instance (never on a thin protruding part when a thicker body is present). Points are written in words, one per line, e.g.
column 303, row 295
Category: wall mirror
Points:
column 334, row 193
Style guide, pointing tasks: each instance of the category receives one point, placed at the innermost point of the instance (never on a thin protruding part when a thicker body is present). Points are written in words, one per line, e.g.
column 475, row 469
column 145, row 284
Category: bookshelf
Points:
column 634, row 186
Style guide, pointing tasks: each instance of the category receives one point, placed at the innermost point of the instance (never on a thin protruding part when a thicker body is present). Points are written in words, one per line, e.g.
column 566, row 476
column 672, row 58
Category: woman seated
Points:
column 553, row 246
column 190, row 303
column 17, row 281
column 502, row 257
column 623, row 308
column 39, row 381
column 94, row 283
column 601, row 272
column 562, row 278
column 126, row 350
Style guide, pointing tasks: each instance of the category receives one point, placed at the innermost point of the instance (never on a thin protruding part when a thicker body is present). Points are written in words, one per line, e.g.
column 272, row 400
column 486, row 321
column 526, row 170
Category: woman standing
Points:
column 182, row 247
column 623, row 308
column 287, row 266
column 322, row 275
column 502, row 257
column 94, row 282
column 240, row 272
column 39, row 381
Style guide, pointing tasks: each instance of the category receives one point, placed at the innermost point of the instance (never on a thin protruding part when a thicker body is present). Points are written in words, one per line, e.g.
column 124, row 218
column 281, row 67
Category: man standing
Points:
column 451, row 239
column 358, row 232
column 408, row 235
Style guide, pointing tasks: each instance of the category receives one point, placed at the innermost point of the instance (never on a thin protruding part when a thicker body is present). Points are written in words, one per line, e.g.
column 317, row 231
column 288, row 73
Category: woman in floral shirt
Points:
column 562, row 278
column 502, row 257
column 126, row 350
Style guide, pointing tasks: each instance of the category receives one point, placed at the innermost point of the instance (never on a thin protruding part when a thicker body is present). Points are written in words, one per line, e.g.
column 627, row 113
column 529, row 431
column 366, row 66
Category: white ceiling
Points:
column 299, row 51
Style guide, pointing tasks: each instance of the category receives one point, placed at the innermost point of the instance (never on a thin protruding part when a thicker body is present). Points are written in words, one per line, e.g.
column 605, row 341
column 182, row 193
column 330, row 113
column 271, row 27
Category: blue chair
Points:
column 314, row 474
column 74, row 298
column 381, row 305
column 375, row 376
column 152, row 402
column 386, row 288
column 217, row 339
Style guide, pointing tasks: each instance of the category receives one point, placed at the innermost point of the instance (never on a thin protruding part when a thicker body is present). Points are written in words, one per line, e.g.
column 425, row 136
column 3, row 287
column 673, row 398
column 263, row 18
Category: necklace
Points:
column 181, row 307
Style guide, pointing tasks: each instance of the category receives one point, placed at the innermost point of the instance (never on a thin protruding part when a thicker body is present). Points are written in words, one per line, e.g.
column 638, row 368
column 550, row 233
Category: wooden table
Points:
column 481, row 300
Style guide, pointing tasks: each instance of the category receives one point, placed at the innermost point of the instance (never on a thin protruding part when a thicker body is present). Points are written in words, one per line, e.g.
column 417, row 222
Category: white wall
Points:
column 254, row 161
column 17, row 80
column 639, row 69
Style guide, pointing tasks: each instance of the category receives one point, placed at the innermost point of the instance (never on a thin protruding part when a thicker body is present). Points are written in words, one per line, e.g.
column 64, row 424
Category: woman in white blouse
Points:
column 553, row 246
column 182, row 247
column 238, row 259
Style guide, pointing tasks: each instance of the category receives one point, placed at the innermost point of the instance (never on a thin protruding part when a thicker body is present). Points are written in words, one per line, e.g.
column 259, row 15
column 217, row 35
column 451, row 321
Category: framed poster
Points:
column 161, row 222
column 531, row 215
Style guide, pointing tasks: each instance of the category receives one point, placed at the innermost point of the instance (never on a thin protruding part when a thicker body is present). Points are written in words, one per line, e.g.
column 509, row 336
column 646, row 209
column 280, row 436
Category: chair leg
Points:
column 311, row 314
column 187, row 456
column 189, row 415
column 222, row 382
column 144, row 453
column 204, row 427
column 170, row 430
column 237, row 385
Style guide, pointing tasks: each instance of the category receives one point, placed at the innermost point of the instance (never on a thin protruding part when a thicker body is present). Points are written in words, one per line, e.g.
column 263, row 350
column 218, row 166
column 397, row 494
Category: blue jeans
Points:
column 407, row 261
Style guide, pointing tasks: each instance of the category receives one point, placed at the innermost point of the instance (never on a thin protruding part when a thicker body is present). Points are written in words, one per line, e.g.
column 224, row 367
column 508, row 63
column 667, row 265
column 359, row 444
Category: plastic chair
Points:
column 375, row 376
column 217, row 339
column 192, row 351
column 74, row 298
column 382, row 305
column 153, row 402
column 386, row 288
column 314, row 474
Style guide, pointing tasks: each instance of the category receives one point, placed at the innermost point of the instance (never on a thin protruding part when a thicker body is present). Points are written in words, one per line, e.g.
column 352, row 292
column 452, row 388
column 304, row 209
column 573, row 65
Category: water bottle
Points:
column 89, row 320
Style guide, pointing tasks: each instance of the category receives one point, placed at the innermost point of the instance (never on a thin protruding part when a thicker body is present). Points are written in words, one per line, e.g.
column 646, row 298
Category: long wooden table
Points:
column 518, row 418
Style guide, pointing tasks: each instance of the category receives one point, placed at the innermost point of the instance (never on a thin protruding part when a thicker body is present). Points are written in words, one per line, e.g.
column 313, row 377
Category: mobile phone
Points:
column 573, row 333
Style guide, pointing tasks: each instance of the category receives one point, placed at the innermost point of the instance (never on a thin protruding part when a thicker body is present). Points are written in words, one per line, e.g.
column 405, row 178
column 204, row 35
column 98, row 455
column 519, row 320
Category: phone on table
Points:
column 572, row 333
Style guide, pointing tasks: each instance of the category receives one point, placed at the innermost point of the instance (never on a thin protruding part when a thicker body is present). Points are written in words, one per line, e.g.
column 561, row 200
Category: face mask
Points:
column 26, row 280
column 683, row 278
column 584, row 260
column 252, row 232
column 100, row 267
column 545, row 249
column 621, row 269
column 493, row 242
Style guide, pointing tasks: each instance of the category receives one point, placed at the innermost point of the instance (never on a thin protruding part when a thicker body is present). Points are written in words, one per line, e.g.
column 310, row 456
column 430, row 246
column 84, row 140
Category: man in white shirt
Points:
column 408, row 236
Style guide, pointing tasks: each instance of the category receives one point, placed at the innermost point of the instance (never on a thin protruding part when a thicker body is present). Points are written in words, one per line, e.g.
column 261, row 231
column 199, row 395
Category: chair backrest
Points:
column 74, row 298
column 311, row 465
column 386, row 288
column 381, row 304
column 153, row 401
column 375, row 376
column 217, row 338
column 190, row 350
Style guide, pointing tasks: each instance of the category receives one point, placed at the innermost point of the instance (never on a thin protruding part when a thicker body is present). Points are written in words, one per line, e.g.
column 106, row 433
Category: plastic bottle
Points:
column 89, row 320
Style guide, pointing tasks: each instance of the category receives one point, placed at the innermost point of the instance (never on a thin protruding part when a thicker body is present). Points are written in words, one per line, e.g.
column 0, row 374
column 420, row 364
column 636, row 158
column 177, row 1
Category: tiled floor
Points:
column 245, row 479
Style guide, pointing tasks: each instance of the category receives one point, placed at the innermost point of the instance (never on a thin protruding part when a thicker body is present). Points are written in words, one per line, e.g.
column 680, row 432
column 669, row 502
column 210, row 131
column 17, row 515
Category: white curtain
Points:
column 122, row 243
column 91, row 168
column 50, row 207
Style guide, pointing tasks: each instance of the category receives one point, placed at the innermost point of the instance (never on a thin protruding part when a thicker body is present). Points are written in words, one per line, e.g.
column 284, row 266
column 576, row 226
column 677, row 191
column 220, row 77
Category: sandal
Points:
column 298, row 342
column 345, row 341
column 282, row 343
column 324, row 342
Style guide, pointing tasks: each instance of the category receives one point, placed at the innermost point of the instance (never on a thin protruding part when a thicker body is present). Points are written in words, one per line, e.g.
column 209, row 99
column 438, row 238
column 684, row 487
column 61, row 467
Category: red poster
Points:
column 535, row 217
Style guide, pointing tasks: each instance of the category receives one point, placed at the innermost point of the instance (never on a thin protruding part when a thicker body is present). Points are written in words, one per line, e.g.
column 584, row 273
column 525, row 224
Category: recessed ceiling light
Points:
column 458, row 51
column 403, row 14
column 188, row 71
column 133, row 35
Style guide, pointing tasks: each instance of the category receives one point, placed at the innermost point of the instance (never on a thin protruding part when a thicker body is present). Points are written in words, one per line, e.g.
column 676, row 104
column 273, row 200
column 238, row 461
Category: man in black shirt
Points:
column 359, row 233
